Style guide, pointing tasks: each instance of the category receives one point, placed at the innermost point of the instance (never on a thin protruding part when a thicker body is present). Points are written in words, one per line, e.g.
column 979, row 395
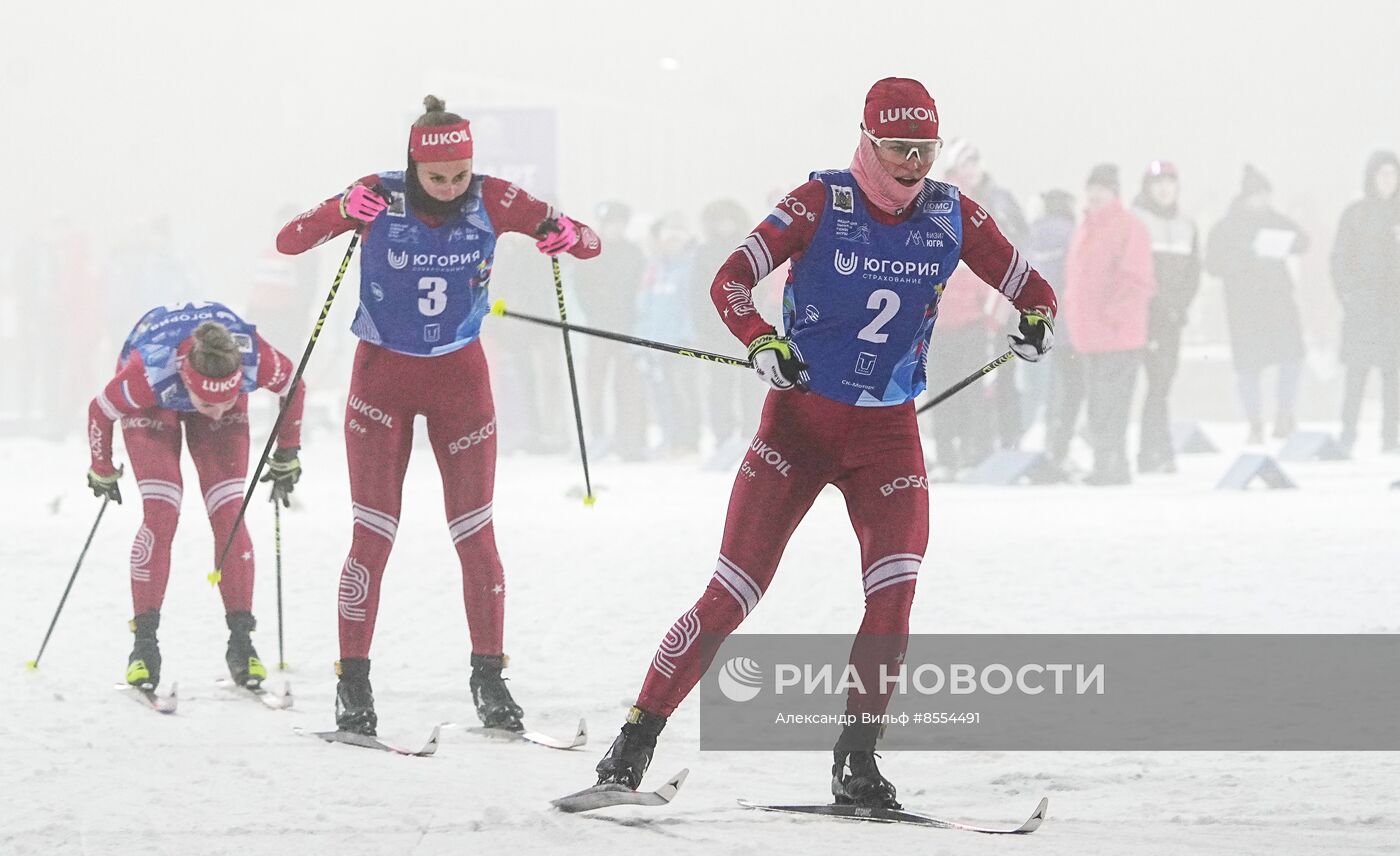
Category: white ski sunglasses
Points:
column 923, row 149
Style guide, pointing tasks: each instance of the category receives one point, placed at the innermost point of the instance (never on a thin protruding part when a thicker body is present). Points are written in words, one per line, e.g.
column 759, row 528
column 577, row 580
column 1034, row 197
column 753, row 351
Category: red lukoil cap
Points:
column 902, row 108
column 436, row 143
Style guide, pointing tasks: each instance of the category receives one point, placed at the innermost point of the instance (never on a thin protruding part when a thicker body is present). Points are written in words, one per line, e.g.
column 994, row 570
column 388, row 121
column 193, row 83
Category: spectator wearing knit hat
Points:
column 1249, row 250
column 1109, row 284
column 1176, row 264
column 962, row 165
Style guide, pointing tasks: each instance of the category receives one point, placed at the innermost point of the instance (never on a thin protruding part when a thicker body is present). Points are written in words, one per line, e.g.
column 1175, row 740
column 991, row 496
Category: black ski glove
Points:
column 1036, row 334
column 283, row 470
column 106, row 486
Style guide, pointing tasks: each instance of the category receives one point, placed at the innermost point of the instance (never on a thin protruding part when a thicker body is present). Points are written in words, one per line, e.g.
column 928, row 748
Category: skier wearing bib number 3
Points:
column 429, row 241
column 871, row 248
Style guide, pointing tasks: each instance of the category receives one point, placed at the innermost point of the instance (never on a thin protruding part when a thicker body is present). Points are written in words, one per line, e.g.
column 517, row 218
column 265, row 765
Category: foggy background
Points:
column 199, row 131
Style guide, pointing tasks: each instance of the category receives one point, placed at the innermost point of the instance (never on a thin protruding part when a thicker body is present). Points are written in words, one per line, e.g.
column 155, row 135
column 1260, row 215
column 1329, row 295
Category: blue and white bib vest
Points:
column 159, row 334
column 861, row 302
column 423, row 289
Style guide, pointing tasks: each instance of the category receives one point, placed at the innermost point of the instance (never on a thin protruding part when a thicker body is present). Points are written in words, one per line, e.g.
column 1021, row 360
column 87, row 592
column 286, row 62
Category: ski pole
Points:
column 588, row 497
column 965, row 382
column 277, row 551
column 499, row 308
column 218, row 572
column 34, row 663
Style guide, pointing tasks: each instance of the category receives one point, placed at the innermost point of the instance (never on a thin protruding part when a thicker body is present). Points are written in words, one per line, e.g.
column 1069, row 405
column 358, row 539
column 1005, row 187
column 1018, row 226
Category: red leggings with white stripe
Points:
column 453, row 393
column 220, row 452
column 805, row 442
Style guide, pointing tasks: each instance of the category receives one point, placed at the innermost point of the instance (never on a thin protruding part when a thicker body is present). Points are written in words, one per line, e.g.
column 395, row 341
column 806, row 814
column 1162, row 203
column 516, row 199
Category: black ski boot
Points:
column 863, row 786
column 354, row 699
column 143, row 666
column 243, row 663
column 489, row 693
column 630, row 755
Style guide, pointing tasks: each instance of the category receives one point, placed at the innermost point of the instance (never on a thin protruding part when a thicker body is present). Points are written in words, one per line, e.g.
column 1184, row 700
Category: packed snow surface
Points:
column 591, row 591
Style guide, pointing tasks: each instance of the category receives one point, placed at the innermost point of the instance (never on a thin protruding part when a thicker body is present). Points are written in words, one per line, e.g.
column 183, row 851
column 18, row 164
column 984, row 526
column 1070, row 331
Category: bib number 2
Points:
column 433, row 295
column 887, row 304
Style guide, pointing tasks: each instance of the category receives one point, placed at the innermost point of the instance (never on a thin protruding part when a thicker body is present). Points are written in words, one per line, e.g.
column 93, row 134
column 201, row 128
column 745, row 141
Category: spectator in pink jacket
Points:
column 1108, row 287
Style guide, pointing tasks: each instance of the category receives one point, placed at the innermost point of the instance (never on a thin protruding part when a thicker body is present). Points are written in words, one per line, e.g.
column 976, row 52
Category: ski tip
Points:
column 1037, row 817
column 581, row 735
column 675, row 782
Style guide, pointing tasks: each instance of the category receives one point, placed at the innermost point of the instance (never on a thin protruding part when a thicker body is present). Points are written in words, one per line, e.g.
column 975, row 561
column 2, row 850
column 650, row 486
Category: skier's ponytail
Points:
column 435, row 114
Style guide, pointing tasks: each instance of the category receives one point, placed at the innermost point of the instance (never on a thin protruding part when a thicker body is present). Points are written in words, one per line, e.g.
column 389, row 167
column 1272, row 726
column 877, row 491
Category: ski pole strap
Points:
column 966, row 382
column 499, row 308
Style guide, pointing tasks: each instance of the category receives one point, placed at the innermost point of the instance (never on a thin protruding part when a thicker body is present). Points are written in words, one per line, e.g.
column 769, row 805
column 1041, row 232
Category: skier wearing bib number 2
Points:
column 429, row 238
column 871, row 248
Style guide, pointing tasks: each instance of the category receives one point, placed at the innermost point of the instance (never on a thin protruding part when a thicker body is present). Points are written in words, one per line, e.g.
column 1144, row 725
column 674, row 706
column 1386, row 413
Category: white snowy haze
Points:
column 152, row 151
column 200, row 127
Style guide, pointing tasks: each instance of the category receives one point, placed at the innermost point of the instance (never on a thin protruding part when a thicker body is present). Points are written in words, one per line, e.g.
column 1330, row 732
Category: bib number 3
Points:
column 433, row 295
column 886, row 302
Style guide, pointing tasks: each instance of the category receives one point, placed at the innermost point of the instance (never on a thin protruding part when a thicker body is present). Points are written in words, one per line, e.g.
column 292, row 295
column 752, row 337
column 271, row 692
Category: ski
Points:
column 539, row 738
column 273, row 701
column 149, row 698
column 603, row 796
column 350, row 738
column 885, row 815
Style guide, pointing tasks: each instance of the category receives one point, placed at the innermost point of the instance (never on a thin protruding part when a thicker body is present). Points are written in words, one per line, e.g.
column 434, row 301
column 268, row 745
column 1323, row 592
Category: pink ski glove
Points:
column 361, row 203
column 560, row 235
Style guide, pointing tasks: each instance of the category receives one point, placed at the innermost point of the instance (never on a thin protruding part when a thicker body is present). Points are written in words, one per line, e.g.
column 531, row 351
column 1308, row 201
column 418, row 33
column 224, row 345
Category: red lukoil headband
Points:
column 433, row 144
column 210, row 390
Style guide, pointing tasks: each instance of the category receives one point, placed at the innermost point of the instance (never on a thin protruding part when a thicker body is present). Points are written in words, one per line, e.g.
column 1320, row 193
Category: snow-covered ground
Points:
column 85, row 771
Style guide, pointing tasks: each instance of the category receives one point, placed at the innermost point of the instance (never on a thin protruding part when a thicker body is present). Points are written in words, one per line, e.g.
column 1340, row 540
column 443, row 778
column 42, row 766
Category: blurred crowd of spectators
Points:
column 1127, row 263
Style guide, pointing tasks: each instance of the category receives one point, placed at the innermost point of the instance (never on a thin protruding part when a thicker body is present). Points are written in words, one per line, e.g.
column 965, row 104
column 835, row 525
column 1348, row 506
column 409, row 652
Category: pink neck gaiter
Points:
column 879, row 186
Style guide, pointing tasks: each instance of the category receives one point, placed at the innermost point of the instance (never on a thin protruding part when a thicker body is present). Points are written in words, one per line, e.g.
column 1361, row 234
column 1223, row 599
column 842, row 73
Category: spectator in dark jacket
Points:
column 1366, row 273
column 962, row 165
column 1046, row 249
column 732, row 402
column 607, row 292
column 664, row 314
column 1176, row 265
column 1249, row 249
